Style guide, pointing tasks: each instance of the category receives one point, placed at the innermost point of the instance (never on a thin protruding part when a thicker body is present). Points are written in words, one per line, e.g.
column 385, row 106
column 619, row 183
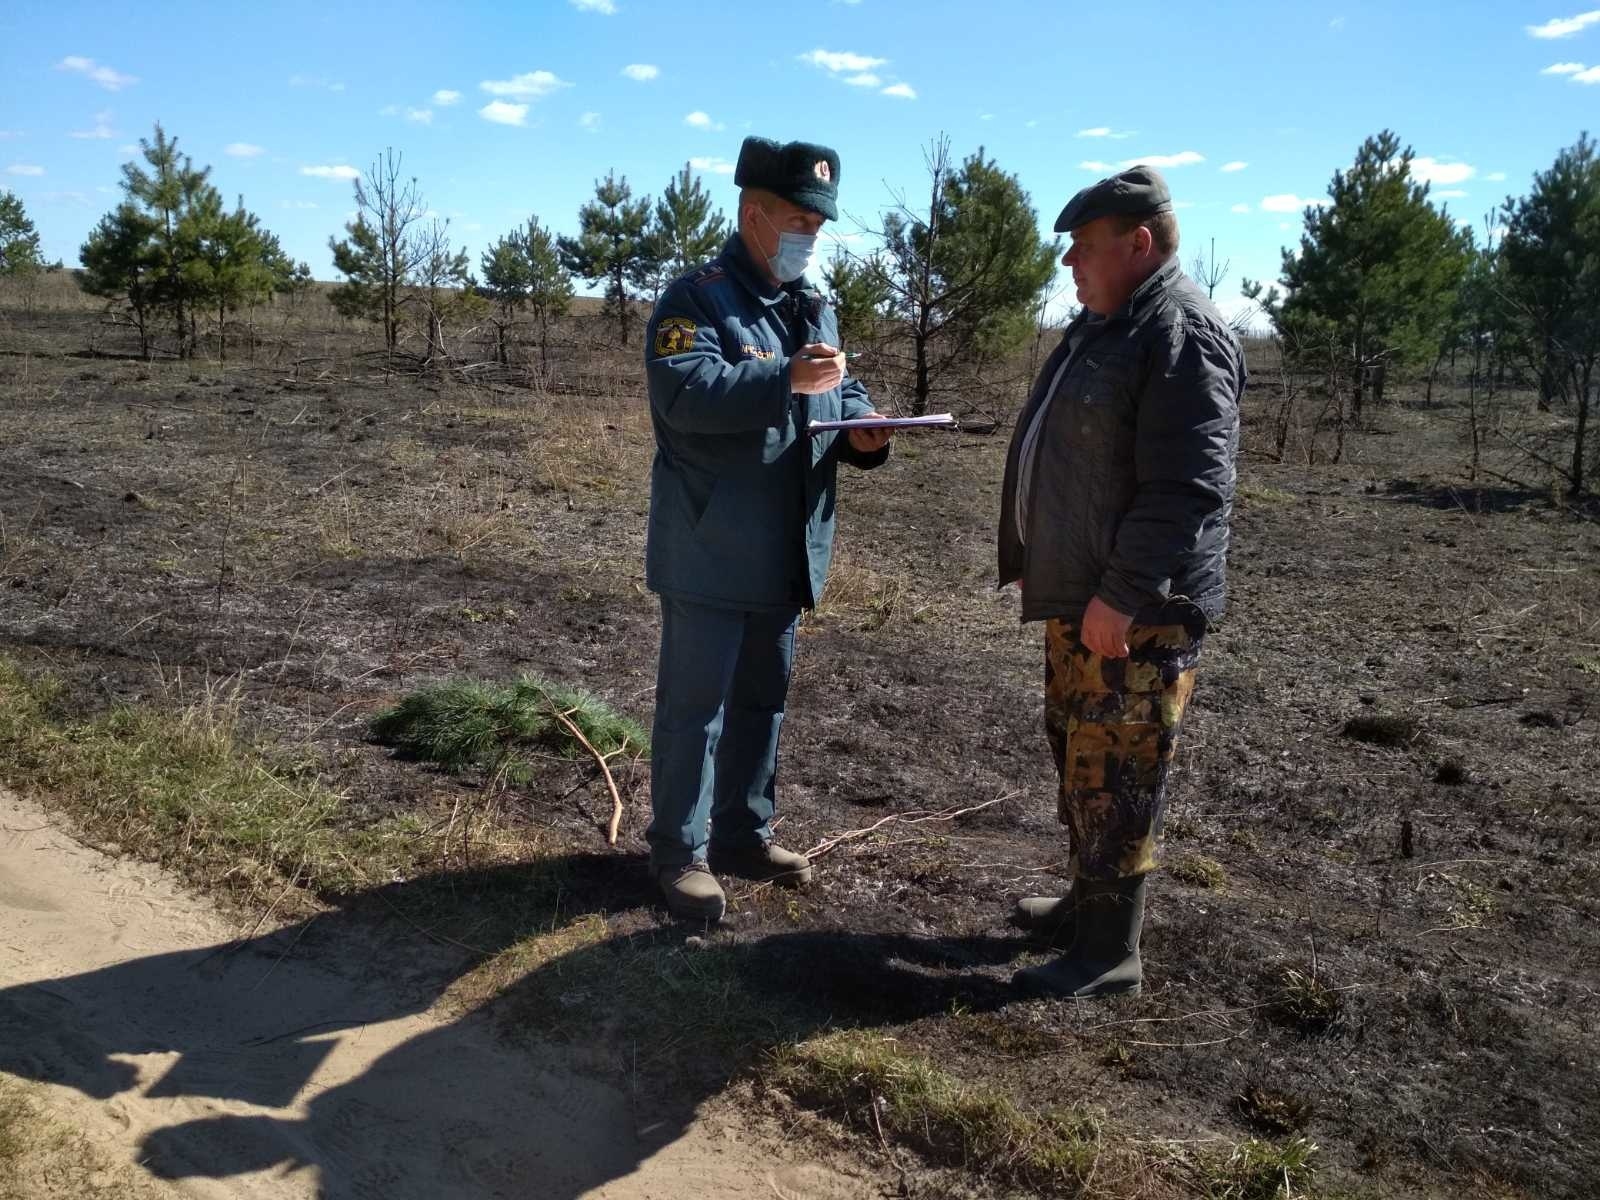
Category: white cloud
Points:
column 985, row 116
column 315, row 81
column 7, row 134
column 1184, row 158
column 24, row 169
column 1432, row 170
column 1105, row 131
column 502, row 112
column 700, row 120
column 112, row 81
column 1336, row 23
column 1590, row 75
column 337, row 171
column 1240, row 208
column 1235, row 165
column 604, row 7
column 1288, row 202
column 1564, row 27
column 128, row 150
column 422, row 116
column 1448, row 194
column 242, row 150
column 102, row 130
column 1563, row 68
column 717, row 166
column 530, row 85
column 1496, row 176
column 1094, row 164
column 444, row 97
column 865, row 79
column 589, row 121
column 299, row 204
column 903, row 90
column 641, row 72
column 840, row 61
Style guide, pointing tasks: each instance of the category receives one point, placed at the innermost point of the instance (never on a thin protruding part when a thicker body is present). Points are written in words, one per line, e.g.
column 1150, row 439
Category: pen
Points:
column 846, row 353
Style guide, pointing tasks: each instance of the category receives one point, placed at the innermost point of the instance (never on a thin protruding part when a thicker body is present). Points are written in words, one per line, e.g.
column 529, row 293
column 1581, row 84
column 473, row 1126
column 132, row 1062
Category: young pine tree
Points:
column 1377, row 274
column 167, row 186
column 122, row 263
column 1550, row 282
column 524, row 269
column 612, row 246
column 19, row 241
column 686, row 232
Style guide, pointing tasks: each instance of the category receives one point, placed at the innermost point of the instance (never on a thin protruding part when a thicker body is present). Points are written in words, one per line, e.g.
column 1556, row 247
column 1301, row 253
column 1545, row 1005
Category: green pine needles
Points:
column 465, row 723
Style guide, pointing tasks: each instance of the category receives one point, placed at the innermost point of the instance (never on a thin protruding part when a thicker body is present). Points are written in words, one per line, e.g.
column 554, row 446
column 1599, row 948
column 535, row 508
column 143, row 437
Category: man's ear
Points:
column 1143, row 241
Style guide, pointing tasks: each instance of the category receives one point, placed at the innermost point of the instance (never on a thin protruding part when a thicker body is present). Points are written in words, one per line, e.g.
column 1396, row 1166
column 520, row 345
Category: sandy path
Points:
column 239, row 1072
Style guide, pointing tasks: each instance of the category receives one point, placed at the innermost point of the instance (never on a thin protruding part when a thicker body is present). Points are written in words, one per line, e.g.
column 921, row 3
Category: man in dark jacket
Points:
column 1114, row 522
column 741, row 355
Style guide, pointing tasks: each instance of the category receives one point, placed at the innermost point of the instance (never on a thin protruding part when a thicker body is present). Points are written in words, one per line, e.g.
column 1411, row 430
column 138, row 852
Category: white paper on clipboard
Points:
column 932, row 420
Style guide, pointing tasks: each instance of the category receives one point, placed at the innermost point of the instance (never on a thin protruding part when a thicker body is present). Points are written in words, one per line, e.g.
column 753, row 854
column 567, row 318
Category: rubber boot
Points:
column 1104, row 958
column 1052, row 920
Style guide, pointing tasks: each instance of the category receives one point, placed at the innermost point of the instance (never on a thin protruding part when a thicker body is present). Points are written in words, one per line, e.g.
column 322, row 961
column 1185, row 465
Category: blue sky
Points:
column 511, row 109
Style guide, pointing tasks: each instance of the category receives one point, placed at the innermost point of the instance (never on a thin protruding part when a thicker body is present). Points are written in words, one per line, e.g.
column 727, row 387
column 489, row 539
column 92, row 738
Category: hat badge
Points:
column 822, row 170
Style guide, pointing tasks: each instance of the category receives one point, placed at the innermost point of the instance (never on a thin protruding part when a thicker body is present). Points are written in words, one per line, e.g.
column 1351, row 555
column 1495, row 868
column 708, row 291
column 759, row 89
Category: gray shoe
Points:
column 1104, row 958
column 692, row 891
column 1051, row 919
column 769, row 863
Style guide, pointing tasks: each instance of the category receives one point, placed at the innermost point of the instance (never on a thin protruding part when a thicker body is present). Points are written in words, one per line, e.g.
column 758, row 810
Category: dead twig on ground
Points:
column 915, row 816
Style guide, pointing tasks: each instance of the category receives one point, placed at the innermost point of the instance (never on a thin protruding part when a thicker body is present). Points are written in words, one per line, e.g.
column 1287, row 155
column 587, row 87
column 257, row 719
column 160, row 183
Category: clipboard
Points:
column 931, row 421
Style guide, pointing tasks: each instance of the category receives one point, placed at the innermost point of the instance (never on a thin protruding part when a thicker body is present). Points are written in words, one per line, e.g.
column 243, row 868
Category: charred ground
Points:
column 1377, row 925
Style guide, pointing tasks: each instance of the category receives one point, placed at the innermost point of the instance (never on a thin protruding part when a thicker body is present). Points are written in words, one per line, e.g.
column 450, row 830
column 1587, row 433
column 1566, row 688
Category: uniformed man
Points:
column 1114, row 522
column 741, row 354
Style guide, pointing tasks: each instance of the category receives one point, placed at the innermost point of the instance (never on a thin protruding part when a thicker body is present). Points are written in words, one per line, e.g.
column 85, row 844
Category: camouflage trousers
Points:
column 1113, row 728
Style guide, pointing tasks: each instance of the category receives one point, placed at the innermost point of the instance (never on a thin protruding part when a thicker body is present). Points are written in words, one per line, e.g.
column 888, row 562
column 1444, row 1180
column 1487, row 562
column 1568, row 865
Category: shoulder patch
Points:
column 674, row 335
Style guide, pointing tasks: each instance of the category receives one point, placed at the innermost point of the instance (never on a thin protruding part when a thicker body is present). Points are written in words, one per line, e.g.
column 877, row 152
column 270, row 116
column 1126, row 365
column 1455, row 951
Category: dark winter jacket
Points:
column 1133, row 480
column 741, row 498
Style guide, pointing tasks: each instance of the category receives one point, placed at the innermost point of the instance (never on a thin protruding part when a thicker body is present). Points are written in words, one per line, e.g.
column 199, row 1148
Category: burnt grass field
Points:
column 1377, row 926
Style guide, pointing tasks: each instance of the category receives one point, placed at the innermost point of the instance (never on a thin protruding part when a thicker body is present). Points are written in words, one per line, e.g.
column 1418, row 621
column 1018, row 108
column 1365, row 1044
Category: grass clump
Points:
column 465, row 723
column 1262, row 1170
column 869, row 1081
column 187, row 788
column 1305, row 1002
column 1198, row 871
column 1265, row 495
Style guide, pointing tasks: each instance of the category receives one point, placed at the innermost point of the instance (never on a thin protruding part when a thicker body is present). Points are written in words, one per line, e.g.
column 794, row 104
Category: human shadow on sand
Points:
column 569, row 1076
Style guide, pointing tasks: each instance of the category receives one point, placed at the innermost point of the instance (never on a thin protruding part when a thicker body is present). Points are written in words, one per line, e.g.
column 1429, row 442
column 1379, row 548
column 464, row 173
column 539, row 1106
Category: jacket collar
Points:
column 741, row 264
column 1144, row 295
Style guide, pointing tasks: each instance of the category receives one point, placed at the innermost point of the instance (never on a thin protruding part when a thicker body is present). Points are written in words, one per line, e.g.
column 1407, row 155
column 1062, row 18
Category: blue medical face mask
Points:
column 795, row 252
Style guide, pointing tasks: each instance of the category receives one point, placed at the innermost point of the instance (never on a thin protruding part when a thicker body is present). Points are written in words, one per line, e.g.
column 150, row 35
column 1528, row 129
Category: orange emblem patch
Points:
column 675, row 335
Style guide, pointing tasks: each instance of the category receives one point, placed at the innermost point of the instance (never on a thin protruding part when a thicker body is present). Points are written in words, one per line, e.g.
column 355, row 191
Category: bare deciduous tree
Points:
column 382, row 250
column 1207, row 272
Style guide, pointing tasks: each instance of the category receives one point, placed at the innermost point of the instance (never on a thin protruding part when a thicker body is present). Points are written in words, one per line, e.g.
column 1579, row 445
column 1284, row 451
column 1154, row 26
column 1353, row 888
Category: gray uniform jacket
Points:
column 741, row 497
column 1133, row 479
